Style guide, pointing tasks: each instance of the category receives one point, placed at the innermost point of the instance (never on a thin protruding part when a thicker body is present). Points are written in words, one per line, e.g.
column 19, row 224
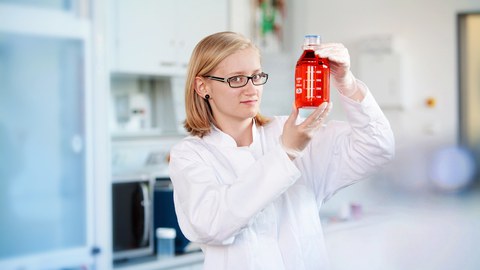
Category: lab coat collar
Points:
column 222, row 139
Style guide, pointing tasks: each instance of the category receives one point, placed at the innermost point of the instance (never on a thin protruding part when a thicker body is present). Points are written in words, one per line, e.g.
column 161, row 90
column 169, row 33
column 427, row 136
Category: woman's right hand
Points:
column 295, row 137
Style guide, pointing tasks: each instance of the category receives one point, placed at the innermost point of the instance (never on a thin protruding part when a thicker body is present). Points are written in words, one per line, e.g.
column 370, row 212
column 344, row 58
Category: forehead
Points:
column 242, row 61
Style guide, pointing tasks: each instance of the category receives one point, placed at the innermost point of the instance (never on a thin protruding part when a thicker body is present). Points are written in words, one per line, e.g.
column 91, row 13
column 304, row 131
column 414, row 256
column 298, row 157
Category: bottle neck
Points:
column 311, row 47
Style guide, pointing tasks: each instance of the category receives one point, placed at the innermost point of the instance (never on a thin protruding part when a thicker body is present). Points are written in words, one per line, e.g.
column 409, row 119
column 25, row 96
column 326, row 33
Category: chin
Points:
column 249, row 112
column 253, row 113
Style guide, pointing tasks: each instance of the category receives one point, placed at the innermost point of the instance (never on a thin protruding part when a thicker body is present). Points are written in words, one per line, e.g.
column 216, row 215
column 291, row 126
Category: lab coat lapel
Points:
column 239, row 158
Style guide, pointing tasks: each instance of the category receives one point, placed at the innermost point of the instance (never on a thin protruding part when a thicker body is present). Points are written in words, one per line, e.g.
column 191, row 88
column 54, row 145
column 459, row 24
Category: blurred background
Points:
column 91, row 100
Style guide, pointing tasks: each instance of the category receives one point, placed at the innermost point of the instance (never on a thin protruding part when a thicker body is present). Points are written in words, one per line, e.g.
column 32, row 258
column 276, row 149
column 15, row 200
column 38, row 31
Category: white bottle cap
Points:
column 312, row 40
column 166, row 233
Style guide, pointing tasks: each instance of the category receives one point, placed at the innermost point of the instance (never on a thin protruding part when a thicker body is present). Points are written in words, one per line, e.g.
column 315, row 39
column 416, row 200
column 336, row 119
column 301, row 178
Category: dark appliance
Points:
column 132, row 216
column 164, row 212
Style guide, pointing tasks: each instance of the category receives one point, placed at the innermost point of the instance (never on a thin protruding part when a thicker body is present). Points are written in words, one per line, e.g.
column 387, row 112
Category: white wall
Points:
column 424, row 33
column 424, row 36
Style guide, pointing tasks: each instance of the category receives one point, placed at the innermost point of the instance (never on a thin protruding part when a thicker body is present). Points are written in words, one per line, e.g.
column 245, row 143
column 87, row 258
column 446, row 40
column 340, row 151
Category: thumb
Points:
column 293, row 115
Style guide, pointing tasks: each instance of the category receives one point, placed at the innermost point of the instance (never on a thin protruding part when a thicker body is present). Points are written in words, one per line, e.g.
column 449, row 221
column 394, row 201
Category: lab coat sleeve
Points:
column 345, row 152
column 212, row 212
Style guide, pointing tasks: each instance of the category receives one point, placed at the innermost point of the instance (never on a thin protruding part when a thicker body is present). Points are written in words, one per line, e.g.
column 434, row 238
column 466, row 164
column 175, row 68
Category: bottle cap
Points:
column 312, row 40
column 166, row 232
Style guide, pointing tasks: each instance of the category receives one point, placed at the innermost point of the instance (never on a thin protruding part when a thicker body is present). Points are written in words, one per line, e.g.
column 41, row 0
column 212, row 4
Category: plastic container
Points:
column 312, row 76
column 165, row 242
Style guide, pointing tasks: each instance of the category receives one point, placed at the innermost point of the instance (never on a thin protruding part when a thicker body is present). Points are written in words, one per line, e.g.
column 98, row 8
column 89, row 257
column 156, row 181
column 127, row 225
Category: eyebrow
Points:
column 237, row 73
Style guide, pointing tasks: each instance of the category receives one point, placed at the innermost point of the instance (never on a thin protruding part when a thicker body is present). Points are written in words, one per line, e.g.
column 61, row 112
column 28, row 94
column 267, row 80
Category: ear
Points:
column 200, row 86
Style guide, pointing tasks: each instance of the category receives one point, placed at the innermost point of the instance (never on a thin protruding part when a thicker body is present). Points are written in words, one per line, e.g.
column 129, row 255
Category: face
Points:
column 234, row 104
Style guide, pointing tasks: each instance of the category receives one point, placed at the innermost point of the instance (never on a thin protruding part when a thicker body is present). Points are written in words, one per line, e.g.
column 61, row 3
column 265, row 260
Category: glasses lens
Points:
column 242, row 80
column 238, row 81
column 259, row 79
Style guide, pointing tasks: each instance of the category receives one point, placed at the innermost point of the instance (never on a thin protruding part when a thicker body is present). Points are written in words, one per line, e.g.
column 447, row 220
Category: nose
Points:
column 251, row 89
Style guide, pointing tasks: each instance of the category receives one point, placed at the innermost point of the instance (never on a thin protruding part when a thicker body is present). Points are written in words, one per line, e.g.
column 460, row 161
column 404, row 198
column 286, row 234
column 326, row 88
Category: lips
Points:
column 253, row 101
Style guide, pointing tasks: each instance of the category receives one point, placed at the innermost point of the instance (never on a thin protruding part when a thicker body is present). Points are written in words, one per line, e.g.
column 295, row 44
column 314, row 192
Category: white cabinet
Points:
column 156, row 37
column 152, row 41
column 197, row 19
column 143, row 36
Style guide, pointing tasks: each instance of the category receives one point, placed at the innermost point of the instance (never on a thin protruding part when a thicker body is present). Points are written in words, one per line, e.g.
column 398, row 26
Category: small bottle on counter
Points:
column 165, row 242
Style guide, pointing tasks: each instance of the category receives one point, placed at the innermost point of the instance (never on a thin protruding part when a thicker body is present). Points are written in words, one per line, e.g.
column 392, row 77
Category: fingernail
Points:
column 323, row 106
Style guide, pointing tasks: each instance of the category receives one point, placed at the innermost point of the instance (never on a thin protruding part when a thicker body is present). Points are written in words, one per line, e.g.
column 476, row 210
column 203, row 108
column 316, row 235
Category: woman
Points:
column 247, row 188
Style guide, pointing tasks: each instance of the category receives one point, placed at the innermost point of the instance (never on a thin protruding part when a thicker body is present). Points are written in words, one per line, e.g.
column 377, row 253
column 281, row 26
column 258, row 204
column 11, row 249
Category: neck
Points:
column 241, row 132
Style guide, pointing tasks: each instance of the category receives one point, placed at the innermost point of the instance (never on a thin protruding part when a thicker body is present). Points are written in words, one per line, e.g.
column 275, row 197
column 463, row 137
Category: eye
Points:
column 257, row 76
column 236, row 79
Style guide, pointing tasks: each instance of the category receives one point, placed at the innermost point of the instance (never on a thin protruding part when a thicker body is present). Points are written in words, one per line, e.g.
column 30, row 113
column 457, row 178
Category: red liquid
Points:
column 312, row 80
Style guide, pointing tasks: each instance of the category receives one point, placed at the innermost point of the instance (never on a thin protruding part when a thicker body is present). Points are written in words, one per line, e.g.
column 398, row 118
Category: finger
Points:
column 323, row 115
column 326, row 112
column 318, row 112
column 314, row 126
column 335, row 52
column 292, row 118
column 321, row 110
column 318, row 123
column 331, row 47
column 313, row 117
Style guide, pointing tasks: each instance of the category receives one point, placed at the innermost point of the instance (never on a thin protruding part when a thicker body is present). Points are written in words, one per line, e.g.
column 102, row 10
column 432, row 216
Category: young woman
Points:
column 248, row 188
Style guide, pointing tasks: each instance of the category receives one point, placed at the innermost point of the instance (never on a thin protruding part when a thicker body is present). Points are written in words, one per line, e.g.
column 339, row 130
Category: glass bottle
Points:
column 312, row 76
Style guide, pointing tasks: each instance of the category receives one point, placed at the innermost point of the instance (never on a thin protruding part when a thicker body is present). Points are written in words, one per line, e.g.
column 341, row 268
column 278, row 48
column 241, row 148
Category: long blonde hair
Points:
column 206, row 56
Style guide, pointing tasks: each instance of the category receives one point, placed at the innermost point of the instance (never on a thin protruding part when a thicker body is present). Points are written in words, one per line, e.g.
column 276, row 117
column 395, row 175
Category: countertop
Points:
column 152, row 263
column 397, row 230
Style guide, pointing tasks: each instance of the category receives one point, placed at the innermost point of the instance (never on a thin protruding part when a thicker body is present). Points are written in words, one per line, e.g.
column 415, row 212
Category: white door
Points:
column 46, row 165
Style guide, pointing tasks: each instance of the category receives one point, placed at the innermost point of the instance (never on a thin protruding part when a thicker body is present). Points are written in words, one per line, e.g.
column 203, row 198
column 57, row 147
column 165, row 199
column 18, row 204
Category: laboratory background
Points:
column 91, row 101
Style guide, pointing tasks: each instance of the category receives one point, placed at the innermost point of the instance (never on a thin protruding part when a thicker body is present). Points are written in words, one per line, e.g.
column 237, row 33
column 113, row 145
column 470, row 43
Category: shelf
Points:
column 152, row 133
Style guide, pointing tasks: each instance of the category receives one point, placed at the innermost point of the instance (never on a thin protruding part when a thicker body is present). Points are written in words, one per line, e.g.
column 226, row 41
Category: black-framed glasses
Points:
column 242, row 80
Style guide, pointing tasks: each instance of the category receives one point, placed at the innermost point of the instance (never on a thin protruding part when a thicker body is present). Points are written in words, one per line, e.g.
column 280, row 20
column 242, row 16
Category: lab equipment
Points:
column 312, row 76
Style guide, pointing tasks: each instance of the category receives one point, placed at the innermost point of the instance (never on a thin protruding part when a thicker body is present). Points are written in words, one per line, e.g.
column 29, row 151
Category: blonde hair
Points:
column 206, row 56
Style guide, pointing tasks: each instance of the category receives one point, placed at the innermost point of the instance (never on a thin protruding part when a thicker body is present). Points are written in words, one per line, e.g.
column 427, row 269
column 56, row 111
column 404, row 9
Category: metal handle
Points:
column 146, row 213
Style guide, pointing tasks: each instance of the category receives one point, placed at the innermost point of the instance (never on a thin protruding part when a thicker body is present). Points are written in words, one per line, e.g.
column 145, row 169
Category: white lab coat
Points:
column 253, row 208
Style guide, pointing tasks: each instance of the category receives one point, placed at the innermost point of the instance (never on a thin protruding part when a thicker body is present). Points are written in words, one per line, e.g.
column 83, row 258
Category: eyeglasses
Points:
column 242, row 80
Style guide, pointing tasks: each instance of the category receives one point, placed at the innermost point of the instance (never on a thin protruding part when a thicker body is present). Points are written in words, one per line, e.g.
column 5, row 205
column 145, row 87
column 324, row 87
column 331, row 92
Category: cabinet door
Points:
column 157, row 36
column 45, row 188
column 145, row 32
column 198, row 19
